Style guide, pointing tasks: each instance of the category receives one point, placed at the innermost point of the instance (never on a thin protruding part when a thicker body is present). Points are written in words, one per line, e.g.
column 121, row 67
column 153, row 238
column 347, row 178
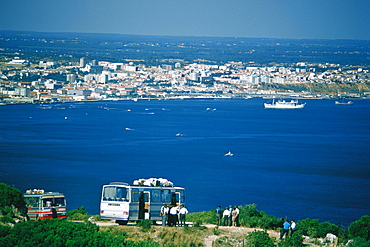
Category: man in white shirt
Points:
column 164, row 214
column 183, row 212
column 172, row 217
column 226, row 216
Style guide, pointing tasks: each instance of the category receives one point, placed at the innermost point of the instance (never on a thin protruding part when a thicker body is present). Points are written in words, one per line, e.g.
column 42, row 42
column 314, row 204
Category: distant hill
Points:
column 154, row 50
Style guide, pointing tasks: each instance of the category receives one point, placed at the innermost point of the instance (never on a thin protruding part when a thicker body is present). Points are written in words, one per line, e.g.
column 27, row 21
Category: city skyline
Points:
column 240, row 18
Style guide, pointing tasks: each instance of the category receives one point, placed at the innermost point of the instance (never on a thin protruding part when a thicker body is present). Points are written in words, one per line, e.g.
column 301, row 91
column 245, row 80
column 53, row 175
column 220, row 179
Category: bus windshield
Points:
column 112, row 193
column 53, row 202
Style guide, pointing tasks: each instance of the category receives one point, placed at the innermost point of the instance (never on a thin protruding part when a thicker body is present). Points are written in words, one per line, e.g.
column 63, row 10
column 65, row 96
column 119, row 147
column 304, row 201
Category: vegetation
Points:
column 78, row 214
column 12, row 205
column 318, row 87
column 314, row 229
column 11, row 197
column 259, row 239
column 57, row 232
column 249, row 217
column 359, row 230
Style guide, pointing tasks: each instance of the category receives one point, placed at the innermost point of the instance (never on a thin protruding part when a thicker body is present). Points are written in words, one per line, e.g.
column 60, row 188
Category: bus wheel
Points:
column 122, row 222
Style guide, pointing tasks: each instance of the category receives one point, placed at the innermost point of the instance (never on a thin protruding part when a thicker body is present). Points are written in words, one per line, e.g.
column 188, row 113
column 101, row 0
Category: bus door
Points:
column 144, row 205
column 175, row 198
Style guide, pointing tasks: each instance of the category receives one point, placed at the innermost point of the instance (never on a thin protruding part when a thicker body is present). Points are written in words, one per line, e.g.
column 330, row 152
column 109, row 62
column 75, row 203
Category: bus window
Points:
column 109, row 193
column 121, row 194
column 135, row 195
column 115, row 194
column 32, row 201
column 156, row 196
column 182, row 196
column 146, row 197
column 47, row 202
column 59, row 201
column 166, row 196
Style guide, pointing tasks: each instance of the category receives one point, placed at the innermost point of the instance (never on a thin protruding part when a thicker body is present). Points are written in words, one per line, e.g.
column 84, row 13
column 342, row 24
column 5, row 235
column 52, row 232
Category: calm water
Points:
column 312, row 162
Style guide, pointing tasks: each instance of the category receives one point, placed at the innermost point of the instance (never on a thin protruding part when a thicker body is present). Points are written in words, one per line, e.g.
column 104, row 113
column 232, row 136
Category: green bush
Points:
column 205, row 216
column 78, row 214
column 10, row 196
column 294, row 240
column 259, row 239
column 359, row 242
column 58, row 233
column 145, row 225
column 360, row 228
column 249, row 216
column 315, row 229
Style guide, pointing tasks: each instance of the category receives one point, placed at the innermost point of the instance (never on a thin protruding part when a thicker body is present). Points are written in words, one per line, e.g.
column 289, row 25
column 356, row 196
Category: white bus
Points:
column 141, row 200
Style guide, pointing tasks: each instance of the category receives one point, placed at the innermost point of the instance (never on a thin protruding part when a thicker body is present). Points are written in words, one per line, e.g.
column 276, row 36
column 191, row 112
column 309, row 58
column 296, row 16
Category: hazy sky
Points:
column 311, row 19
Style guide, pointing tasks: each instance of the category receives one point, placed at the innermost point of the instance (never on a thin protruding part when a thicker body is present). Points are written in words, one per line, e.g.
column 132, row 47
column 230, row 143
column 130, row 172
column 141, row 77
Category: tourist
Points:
column 237, row 216
column 230, row 215
column 164, row 213
column 219, row 215
column 286, row 227
column 281, row 226
column 182, row 213
column 226, row 216
column 172, row 217
column 234, row 214
column 292, row 227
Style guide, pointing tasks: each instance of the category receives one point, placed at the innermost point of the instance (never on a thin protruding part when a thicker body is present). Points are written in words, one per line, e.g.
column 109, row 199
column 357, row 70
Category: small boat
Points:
column 229, row 154
column 282, row 104
column 343, row 103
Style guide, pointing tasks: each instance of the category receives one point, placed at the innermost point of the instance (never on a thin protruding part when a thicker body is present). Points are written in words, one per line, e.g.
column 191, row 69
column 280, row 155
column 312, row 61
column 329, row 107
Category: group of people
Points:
column 287, row 228
column 227, row 217
column 173, row 215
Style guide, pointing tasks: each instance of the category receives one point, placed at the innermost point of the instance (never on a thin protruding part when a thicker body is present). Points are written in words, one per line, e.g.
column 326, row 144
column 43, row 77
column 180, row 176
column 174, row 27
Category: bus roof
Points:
column 39, row 193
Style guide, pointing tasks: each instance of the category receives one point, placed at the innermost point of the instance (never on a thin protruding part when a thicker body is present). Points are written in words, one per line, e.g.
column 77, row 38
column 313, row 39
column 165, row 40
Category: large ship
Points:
column 282, row 104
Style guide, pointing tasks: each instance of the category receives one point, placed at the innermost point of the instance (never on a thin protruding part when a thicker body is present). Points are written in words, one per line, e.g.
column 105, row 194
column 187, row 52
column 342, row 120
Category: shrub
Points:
column 360, row 228
column 78, row 214
column 145, row 225
column 216, row 231
column 294, row 240
column 259, row 239
column 11, row 197
column 57, row 232
column 358, row 242
column 205, row 216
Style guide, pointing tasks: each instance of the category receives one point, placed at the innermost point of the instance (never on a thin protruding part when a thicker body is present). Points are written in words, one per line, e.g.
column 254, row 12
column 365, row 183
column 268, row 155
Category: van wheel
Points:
column 122, row 222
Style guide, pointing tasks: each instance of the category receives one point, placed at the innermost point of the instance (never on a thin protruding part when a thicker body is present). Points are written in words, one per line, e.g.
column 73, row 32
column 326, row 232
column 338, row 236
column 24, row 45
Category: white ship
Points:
column 282, row 104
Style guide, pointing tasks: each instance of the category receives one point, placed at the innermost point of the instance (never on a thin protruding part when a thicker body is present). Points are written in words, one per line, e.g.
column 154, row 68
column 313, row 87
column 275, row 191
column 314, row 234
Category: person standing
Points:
column 173, row 216
column 218, row 215
column 226, row 216
column 234, row 214
column 182, row 213
column 164, row 214
column 286, row 227
column 230, row 214
column 237, row 216
column 292, row 226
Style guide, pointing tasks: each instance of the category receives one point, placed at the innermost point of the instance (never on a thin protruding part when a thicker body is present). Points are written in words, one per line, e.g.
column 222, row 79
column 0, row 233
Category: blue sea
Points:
column 301, row 163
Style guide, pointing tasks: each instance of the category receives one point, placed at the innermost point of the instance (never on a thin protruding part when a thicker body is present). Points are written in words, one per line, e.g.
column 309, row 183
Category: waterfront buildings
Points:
column 102, row 80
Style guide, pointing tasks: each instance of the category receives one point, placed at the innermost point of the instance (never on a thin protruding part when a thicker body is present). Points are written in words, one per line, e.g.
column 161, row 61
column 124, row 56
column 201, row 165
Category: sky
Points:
column 296, row 19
